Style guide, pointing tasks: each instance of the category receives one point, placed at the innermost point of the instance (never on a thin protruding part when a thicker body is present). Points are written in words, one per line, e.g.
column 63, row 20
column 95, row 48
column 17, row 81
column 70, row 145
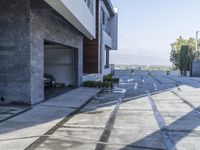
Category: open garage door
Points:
column 60, row 63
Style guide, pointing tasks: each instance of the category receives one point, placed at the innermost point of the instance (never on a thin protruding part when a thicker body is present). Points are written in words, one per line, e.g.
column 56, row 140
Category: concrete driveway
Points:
column 141, row 113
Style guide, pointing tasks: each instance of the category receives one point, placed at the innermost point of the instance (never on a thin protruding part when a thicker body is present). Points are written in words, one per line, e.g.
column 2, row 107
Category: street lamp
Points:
column 197, row 53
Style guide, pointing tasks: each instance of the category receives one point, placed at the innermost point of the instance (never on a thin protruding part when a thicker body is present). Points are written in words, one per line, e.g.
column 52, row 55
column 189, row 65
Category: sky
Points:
column 148, row 27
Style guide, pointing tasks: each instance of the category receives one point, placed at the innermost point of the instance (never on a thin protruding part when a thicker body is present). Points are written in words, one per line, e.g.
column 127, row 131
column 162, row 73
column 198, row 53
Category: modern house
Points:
column 44, row 36
column 96, row 52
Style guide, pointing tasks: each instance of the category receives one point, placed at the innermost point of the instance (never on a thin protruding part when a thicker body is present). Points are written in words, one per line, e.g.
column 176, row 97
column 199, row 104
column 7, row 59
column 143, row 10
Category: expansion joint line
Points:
column 91, row 141
column 156, row 79
column 186, row 102
column 110, row 123
column 177, row 82
column 162, row 125
column 41, row 139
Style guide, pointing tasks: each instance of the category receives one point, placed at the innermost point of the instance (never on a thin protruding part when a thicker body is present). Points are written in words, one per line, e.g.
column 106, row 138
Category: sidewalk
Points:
column 21, row 131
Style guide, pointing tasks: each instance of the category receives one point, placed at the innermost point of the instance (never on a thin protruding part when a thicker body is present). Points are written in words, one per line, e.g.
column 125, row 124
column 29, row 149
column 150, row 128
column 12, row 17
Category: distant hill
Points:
column 129, row 59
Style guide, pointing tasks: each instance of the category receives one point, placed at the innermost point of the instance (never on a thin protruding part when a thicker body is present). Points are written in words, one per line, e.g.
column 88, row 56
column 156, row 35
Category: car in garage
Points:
column 49, row 80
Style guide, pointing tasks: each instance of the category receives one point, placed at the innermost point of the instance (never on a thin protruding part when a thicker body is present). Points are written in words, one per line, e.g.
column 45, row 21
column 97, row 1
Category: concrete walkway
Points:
column 19, row 132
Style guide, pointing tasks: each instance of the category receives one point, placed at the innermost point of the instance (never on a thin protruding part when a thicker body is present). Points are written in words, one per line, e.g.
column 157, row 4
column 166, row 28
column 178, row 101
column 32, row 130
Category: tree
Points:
column 175, row 55
column 184, row 60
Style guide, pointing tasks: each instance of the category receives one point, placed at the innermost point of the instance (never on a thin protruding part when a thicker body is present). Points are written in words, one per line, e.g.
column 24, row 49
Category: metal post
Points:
column 197, row 52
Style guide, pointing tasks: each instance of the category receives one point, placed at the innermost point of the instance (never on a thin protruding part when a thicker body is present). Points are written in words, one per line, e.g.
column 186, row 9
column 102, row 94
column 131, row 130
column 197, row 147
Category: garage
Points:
column 59, row 64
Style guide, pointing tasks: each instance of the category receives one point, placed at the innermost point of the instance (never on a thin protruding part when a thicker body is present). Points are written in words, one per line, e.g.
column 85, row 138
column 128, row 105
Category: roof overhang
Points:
column 65, row 12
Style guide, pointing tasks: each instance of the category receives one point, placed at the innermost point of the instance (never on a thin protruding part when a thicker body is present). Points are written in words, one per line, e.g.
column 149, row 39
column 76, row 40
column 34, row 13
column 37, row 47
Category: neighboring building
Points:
column 195, row 69
column 43, row 36
column 97, row 52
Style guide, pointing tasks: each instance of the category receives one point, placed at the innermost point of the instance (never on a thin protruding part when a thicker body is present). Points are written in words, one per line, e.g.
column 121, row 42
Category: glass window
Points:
column 103, row 16
column 89, row 4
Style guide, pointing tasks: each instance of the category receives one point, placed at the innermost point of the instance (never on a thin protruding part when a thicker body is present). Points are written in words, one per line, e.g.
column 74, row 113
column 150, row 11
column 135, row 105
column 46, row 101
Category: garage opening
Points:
column 59, row 69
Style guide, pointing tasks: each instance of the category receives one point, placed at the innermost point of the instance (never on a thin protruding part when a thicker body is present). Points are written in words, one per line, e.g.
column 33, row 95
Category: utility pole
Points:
column 197, row 52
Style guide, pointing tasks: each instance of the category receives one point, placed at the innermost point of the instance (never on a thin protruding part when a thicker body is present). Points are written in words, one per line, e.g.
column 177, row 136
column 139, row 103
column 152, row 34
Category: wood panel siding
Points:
column 90, row 49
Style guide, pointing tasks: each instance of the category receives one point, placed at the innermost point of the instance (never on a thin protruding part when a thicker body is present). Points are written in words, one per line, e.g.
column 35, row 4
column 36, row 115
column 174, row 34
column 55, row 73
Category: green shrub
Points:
column 98, row 84
column 109, row 78
column 89, row 83
column 112, row 80
column 107, row 84
column 108, row 81
column 115, row 80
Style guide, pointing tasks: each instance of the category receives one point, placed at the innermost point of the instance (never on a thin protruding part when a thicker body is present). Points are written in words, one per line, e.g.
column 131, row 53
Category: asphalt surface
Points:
column 142, row 113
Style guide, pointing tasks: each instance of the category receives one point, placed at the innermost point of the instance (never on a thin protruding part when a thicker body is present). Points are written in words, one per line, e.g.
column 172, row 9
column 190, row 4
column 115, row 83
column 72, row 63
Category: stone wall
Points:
column 14, row 51
column 22, row 34
column 48, row 25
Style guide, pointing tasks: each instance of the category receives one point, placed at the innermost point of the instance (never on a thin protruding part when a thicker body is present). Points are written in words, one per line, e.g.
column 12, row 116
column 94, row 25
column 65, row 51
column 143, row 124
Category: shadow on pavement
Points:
column 180, row 129
column 133, row 90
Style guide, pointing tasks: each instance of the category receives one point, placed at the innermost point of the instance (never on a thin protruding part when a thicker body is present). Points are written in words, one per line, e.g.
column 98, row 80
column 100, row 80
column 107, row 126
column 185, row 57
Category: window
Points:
column 103, row 16
column 105, row 21
column 89, row 4
column 107, row 58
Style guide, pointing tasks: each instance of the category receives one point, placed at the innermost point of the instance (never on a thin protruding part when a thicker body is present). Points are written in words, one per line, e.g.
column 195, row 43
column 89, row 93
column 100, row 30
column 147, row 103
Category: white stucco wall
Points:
column 78, row 14
column 113, row 25
column 110, row 41
column 114, row 30
column 92, row 77
column 106, row 41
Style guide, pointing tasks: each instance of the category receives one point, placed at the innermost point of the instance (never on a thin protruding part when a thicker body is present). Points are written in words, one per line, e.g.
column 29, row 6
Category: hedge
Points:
column 98, row 84
column 109, row 78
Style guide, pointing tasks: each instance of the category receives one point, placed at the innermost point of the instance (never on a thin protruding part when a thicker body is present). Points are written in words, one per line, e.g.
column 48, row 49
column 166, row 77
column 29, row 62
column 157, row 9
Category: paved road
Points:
column 142, row 113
